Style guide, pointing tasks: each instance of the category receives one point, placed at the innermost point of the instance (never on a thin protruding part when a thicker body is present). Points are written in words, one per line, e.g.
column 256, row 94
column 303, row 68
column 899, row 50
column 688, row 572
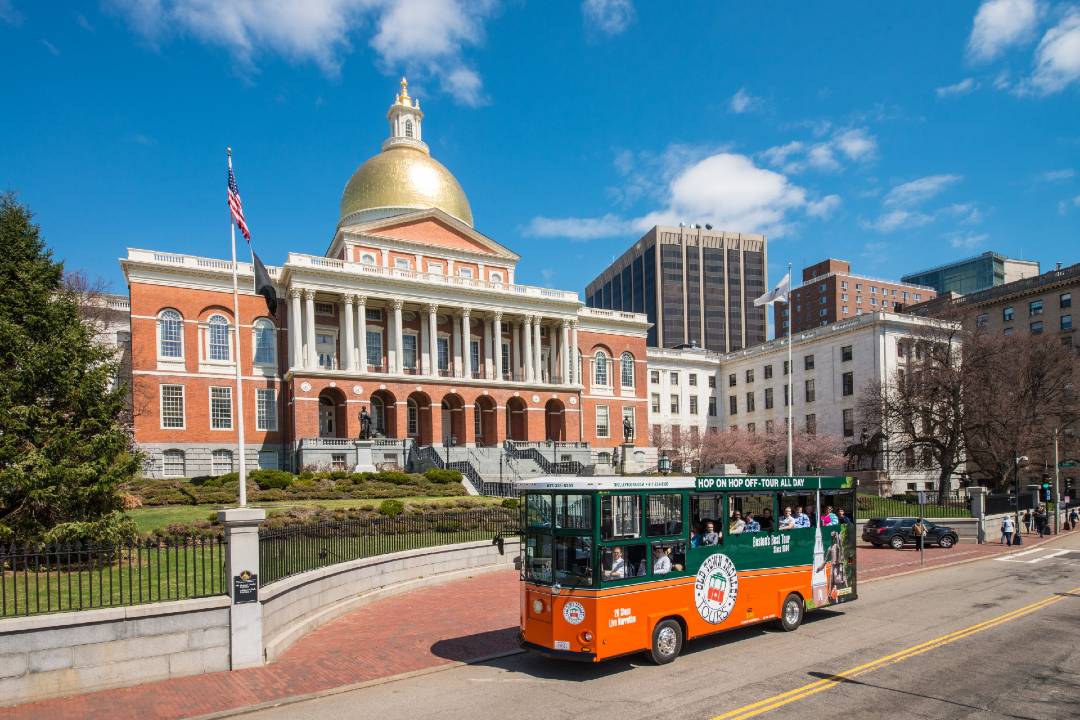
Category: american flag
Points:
column 236, row 206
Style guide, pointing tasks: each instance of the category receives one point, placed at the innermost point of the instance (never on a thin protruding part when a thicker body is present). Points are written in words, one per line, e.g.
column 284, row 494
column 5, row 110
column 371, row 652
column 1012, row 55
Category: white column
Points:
column 296, row 329
column 538, row 371
column 242, row 554
column 399, row 351
column 515, row 350
column 466, row 345
column 455, row 331
column 497, row 358
column 526, row 348
column 422, row 346
column 433, row 339
column 575, row 361
column 309, row 330
column 564, row 353
column 488, row 364
column 361, row 344
column 349, row 341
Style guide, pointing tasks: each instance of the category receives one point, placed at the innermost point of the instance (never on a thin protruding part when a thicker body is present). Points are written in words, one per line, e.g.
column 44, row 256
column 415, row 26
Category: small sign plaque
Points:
column 245, row 588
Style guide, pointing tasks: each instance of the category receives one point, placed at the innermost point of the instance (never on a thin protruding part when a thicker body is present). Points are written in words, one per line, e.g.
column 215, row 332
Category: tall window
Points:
column 808, row 362
column 172, row 406
column 712, row 406
column 1007, row 314
column 408, row 128
column 603, row 424
column 408, row 346
column 733, row 405
column 811, row 394
column 443, row 346
column 173, row 464
column 849, row 422
column 768, row 398
column 221, row 408
column 474, row 358
column 848, row 383
column 374, row 348
column 674, row 404
column 655, row 402
column 627, row 370
column 506, row 360
column 750, row 402
column 218, row 338
column 221, row 462
column 171, row 334
column 326, row 347
column 265, row 409
column 600, row 369
column 768, row 372
column 845, row 353
column 265, row 342
column 811, row 424
column 693, row 404
column 413, row 418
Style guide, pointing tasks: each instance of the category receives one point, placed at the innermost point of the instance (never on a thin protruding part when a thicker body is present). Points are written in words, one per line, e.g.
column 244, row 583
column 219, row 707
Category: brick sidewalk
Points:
column 453, row 622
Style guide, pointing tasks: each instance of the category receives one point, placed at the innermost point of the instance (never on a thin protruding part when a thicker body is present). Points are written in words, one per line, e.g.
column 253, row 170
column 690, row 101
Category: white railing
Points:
column 194, row 261
column 317, row 261
column 617, row 314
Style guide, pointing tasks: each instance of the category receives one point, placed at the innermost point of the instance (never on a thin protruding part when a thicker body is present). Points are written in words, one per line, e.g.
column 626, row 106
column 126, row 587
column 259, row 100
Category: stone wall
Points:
column 297, row 605
column 45, row 656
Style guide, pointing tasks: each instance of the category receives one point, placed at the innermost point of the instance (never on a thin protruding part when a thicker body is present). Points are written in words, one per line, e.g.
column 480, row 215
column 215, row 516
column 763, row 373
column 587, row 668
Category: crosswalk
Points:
column 1037, row 555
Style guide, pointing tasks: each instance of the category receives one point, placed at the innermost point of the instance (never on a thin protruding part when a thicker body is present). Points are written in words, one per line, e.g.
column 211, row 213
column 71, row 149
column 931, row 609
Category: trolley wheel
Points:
column 791, row 613
column 667, row 641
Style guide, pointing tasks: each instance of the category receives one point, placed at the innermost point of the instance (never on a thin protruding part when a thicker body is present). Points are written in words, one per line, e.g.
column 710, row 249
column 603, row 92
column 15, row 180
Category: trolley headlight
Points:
column 538, row 606
column 586, row 637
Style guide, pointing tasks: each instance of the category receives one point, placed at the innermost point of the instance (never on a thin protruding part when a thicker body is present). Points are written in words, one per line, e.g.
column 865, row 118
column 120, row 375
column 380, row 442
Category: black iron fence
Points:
column 952, row 504
column 38, row 578
column 298, row 548
column 1003, row 503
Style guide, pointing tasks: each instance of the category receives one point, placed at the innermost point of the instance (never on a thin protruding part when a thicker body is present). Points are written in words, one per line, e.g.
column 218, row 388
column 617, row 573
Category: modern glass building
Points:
column 974, row 274
column 696, row 285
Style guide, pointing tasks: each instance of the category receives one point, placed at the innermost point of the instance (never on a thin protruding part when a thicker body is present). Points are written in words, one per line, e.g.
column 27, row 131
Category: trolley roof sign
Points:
column 736, row 483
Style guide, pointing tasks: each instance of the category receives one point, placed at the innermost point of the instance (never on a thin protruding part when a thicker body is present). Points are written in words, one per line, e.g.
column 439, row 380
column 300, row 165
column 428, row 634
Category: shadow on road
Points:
column 477, row 645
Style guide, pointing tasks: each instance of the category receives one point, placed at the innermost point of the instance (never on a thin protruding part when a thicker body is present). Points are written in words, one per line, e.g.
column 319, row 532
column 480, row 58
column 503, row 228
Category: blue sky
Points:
column 896, row 135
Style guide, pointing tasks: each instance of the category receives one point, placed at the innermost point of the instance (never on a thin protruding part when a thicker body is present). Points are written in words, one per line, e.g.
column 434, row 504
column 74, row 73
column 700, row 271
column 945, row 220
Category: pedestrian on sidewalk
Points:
column 1007, row 529
column 1042, row 522
column 1027, row 521
column 1073, row 518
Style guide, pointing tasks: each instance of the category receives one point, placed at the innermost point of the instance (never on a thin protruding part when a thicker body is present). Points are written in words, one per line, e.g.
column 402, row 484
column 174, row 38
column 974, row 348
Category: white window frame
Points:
column 214, row 467
column 165, row 462
column 465, row 272
column 183, row 406
column 271, row 426
column 255, row 328
column 335, row 363
column 607, row 420
column 416, row 350
column 443, row 338
column 600, row 360
column 435, row 268
column 622, row 370
column 170, row 358
column 210, row 398
column 377, row 361
column 401, row 263
column 208, row 334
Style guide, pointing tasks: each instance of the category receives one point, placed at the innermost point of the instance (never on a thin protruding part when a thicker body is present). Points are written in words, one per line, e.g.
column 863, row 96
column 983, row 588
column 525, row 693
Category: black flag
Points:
column 264, row 286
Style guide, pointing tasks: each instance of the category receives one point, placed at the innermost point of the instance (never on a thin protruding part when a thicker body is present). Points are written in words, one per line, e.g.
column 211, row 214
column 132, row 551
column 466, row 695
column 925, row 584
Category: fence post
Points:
column 242, row 583
column 978, row 511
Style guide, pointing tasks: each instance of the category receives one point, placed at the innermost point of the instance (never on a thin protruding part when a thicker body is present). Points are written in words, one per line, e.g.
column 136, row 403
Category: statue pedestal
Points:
column 629, row 464
column 364, row 459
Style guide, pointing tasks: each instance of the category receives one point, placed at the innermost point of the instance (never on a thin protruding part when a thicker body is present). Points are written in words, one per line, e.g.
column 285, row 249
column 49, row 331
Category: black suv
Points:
column 899, row 532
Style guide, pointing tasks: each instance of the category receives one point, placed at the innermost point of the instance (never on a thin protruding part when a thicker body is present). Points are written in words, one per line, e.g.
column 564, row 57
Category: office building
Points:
column 696, row 286
column 981, row 272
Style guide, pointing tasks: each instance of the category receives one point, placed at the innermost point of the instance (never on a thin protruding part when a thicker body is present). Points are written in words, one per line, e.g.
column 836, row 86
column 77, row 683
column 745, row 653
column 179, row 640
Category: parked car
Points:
column 898, row 532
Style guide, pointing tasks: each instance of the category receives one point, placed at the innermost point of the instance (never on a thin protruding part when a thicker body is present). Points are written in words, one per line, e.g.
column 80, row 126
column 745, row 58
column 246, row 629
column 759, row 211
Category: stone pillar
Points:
column 564, row 353
column 575, row 361
column 978, row 511
column 455, row 333
column 433, row 339
column 242, row 560
column 515, row 350
column 538, row 365
column 361, row 344
column 497, row 357
column 422, row 346
column 526, row 347
column 348, row 343
column 466, row 345
column 312, row 359
column 488, row 365
column 399, row 345
column 296, row 329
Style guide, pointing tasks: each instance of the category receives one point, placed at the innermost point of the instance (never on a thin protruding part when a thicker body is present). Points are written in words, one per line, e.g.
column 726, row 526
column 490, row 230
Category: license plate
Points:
column 562, row 645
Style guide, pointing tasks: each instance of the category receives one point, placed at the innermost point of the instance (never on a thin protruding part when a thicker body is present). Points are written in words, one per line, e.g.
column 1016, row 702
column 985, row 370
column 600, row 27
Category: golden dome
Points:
column 404, row 178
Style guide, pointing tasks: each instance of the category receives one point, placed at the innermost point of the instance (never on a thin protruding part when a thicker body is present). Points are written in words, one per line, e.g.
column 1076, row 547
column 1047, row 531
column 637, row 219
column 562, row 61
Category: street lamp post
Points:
column 664, row 464
column 1018, row 460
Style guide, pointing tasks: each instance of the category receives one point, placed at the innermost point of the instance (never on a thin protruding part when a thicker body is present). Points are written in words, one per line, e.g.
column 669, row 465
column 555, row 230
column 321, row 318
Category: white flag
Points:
column 778, row 293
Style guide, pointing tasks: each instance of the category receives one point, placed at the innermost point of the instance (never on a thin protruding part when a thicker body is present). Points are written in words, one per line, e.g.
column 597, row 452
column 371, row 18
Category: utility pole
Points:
column 1057, row 485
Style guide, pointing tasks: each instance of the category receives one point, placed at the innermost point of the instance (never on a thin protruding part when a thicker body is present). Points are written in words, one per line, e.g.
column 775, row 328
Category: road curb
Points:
column 293, row 699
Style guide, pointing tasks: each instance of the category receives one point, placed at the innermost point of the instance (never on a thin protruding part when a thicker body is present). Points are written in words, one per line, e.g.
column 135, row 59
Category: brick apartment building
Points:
column 830, row 292
column 411, row 313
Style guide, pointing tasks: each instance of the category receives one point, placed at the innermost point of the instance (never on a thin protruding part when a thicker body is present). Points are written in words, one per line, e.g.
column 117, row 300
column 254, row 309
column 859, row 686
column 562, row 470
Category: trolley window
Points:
column 538, row 558
column 573, row 512
column 665, row 515
column 538, row 510
column 624, row 561
column 620, row 516
column 573, row 560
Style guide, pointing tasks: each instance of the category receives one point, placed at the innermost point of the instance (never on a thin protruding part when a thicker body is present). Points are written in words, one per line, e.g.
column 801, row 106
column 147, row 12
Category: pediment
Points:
column 434, row 228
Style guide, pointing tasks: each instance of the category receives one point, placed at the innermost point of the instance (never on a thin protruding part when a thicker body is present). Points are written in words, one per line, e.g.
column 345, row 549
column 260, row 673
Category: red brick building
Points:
column 411, row 314
column 830, row 293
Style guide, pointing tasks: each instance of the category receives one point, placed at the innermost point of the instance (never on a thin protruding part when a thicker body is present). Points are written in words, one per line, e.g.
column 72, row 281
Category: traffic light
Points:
column 1046, row 491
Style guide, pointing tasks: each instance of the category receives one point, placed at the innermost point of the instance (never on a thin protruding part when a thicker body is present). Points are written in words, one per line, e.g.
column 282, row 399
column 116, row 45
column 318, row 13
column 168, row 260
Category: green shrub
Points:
column 442, row 477
column 112, row 528
column 391, row 507
column 394, row 477
column 272, row 479
column 510, row 503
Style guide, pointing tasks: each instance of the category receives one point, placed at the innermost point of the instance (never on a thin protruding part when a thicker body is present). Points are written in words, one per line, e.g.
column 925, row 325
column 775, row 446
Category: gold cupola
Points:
column 403, row 177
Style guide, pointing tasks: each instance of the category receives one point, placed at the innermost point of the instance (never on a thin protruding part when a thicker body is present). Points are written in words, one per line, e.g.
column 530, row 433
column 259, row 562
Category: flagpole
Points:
column 239, row 356
column 791, row 383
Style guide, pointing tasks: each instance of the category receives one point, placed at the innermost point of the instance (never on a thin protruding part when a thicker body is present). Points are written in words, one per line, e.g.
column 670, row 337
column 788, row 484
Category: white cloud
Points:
column 610, row 16
column 779, row 155
column 1000, row 24
column 1057, row 58
column 1056, row 175
column 961, row 88
column 917, row 191
column 53, row 50
column 821, row 156
column 743, row 101
column 856, row 144
column 724, row 189
column 896, row 219
column 425, row 39
column 966, row 241
column 8, row 13
column 824, row 207
column 852, row 144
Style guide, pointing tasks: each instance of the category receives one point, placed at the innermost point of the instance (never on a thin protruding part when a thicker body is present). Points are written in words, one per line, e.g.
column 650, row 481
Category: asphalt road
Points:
column 995, row 638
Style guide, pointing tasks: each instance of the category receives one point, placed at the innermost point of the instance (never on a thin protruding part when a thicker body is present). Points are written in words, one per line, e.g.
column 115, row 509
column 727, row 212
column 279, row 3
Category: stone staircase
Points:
column 496, row 470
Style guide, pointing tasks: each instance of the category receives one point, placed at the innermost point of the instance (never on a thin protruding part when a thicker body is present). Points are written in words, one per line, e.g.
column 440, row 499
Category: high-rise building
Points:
column 696, row 285
column 830, row 292
column 981, row 272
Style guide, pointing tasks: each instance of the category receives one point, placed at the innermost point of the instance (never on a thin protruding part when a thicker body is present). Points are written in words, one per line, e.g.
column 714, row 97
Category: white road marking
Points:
column 1013, row 558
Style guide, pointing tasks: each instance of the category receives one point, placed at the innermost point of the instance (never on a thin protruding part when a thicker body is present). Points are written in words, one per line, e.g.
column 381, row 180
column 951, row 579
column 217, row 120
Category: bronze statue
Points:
column 627, row 430
column 365, row 424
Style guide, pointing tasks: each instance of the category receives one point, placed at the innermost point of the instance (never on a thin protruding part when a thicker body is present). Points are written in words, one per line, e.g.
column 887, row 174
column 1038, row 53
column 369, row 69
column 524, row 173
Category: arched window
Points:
column 221, row 462
column 170, row 334
column 265, row 342
column 627, row 366
column 217, row 341
column 600, row 369
column 173, row 464
column 496, row 277
column 367, row 259
column 408, row 128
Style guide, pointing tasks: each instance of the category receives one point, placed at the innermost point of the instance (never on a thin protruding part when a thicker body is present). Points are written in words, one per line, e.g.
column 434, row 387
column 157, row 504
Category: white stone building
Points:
column 682, row 391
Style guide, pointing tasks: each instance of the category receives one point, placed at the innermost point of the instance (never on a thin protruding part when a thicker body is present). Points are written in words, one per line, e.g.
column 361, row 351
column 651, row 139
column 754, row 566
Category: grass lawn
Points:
column 152, row 518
